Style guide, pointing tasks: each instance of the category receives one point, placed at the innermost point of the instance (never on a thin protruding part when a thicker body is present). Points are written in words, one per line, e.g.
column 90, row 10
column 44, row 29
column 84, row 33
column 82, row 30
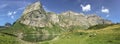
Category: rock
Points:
column 94, row 19
column 53, row 17
column 35, row 15
column 71, row 18
column 33, row 7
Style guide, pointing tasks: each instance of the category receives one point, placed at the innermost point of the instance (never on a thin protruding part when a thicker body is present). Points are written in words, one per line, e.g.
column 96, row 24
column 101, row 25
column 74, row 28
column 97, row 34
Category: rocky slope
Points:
column 35, row 15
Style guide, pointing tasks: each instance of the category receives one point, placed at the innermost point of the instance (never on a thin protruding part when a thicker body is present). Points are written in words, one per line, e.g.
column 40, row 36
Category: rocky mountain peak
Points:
column 34, row 15
column 33, row 7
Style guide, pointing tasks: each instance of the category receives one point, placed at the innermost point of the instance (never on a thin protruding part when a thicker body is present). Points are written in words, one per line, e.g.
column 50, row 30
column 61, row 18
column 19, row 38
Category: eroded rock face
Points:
column 54, row 18
column 33, row 7
column 34, row 15
column 71, row 18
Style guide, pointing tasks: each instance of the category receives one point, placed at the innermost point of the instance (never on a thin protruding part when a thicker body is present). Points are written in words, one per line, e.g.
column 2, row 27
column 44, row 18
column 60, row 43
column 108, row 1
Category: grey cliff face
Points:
column 73, row 19
column 49, row 24
column 33, row 7
column 35, row 15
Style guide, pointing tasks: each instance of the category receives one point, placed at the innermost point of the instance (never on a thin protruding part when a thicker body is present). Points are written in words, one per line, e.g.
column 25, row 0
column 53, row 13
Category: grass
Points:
column 107, row 35
column 100, row 26
column 6, row 39
column 99, row 34
column 31, row 33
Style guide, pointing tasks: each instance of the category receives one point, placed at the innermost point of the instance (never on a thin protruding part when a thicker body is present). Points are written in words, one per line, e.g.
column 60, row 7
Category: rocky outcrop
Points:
column 35, row 15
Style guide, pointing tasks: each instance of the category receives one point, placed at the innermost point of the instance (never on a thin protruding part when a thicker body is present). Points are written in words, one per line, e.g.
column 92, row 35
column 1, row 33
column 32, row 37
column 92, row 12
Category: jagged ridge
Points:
column 35, row 15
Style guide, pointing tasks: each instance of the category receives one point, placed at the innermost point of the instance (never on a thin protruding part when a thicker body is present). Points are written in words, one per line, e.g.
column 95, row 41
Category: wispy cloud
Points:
column 86, row 7
column 2, row 15
column 104, row 10
column 107, row 15
column 11, row 8
column 12, row 17
column 14, row 12
column 11, row 14
column 3, row 6
column 46, row 9
column 21, row 8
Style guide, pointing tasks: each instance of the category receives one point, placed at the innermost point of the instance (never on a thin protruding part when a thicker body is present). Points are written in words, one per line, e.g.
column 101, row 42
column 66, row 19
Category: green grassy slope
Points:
column 7, row 39
column 99, row 34
column 107, row 35
column 32, row 34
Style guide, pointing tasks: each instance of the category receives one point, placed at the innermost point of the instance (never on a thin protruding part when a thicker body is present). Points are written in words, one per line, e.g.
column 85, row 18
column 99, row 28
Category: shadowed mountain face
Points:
column 34, row 15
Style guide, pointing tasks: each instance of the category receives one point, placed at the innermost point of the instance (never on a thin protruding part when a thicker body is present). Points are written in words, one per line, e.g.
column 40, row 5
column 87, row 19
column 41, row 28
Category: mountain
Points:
column 35, row 15
column 101, row 35
column 37, row 25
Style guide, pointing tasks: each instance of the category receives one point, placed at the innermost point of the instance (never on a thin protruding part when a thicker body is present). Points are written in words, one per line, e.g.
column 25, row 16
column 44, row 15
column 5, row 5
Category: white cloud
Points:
column 46, row 9
column 14, row 12
column 86, row 7
column 21, row 8
column 107, row 15
column 11, row 14
column 2, row 6
column 12, row 17
column 104, row 10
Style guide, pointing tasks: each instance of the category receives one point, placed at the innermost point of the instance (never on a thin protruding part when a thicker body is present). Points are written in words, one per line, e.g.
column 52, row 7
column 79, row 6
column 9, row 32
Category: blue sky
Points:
column 11, row 10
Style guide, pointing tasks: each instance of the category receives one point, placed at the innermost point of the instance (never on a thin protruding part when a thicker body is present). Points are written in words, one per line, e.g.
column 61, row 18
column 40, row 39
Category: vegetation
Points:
column 107, row 35
column 99, row 34
column 100, row 26
column 32, row 34
column 6, row 39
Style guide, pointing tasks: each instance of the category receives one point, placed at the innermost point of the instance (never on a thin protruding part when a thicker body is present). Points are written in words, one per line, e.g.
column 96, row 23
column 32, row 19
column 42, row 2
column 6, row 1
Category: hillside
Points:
column 107, row 35
column 103, row 35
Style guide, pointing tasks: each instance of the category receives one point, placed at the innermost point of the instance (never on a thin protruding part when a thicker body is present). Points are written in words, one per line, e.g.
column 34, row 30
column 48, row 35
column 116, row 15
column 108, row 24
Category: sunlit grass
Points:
column 108, row 35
